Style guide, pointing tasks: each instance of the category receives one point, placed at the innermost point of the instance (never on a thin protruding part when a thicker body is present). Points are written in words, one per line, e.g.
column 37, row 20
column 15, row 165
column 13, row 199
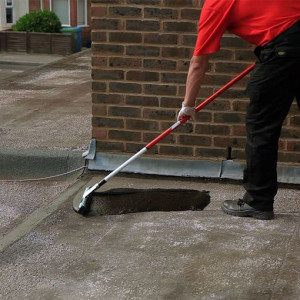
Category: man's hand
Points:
column 186, row 111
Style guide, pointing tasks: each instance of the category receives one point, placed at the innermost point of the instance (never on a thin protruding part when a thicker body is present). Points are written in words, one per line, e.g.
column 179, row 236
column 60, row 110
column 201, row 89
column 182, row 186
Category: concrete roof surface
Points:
column 47, row 251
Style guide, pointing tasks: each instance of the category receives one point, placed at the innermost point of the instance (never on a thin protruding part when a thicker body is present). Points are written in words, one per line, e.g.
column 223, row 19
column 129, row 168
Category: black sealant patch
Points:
column 129, row 200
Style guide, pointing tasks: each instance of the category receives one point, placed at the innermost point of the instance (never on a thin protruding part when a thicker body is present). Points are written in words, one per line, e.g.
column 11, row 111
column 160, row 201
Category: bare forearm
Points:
column 198, row 67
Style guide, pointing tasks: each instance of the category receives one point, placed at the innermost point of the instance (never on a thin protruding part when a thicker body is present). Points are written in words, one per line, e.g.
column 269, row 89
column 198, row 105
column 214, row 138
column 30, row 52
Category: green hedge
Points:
column 38, row 21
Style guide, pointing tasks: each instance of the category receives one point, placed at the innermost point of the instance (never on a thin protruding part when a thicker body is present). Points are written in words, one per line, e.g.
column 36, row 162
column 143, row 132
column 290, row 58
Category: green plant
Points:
column 38, row 21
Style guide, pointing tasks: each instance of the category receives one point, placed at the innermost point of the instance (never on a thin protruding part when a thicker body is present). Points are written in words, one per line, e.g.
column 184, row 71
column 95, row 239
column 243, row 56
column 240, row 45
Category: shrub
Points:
column 38, row 21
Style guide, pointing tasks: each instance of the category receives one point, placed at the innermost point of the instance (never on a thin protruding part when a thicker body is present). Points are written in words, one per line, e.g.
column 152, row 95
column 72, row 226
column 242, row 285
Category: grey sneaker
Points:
column 240, row 208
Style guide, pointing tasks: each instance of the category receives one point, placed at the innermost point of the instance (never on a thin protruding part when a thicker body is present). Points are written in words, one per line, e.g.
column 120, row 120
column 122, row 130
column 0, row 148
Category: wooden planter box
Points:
column 37, row 42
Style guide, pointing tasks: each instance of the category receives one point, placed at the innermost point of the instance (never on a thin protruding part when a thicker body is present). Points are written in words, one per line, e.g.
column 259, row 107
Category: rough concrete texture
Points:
column 155, row 255
column 38, row 133
column 158, row 255
column 20, row 199
column 12, row 64
column 45, row 115
column 52, row 97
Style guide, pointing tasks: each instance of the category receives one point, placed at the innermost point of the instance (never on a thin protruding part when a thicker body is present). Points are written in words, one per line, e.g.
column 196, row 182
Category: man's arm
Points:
column 197, row 69
column 196, row 73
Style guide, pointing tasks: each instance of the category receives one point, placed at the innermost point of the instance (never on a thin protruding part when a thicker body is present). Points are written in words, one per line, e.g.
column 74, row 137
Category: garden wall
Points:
column 36, row 42
column 140, row 57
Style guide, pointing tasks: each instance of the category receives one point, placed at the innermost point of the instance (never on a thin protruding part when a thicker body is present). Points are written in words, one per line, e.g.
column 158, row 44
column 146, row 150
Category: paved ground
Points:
column 47, row 251
column 44, row 129
column 37, row 106
column 12, row 64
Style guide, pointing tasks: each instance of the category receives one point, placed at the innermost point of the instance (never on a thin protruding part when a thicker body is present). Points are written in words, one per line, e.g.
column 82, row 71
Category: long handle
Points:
column 169, row 130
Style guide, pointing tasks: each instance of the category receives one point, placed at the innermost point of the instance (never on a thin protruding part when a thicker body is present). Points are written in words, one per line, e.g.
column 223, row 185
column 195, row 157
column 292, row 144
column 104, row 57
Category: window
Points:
column 62, row 9
column 81, row 12
column 9, row 8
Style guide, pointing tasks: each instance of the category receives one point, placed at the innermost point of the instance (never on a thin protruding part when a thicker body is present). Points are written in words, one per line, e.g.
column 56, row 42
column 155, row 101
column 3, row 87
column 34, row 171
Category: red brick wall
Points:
column 73, row 12
column 47, row 4
column 140, row 56
column 34, row 5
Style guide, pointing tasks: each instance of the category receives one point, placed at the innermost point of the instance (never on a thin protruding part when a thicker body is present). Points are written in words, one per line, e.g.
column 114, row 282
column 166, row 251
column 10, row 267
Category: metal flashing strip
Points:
column 185, row 168
column 285, row 173
column 16, row 164
column 288, row 174
column 232, row 170
column 91, row 152
column 157, row 166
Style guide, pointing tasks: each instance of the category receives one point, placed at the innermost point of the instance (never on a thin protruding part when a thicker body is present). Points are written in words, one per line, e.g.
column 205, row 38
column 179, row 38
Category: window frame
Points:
column 85, row 14
column 69, row 12
column 9, row 6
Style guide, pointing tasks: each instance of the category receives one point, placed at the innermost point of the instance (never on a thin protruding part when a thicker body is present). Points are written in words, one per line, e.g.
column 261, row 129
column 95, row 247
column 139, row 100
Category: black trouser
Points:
column 274, row 84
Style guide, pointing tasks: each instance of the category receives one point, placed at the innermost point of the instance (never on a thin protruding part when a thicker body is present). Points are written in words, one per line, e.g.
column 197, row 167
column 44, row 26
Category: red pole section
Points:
column 201, row 106
column 224, row 88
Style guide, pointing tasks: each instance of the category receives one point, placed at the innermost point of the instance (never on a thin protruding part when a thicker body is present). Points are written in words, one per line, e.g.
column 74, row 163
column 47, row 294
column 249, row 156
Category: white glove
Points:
column 187, row 111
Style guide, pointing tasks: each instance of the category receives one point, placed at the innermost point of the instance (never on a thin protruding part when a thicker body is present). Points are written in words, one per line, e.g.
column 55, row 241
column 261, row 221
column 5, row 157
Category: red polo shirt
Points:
column 256, row 21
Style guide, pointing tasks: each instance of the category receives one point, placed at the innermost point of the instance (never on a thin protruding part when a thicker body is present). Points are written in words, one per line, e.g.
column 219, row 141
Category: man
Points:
column 274, row 27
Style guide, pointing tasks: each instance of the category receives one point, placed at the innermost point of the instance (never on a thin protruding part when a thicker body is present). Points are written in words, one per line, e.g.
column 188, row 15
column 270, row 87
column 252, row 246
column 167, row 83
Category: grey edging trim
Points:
column 184, row 168
column 34, row 163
